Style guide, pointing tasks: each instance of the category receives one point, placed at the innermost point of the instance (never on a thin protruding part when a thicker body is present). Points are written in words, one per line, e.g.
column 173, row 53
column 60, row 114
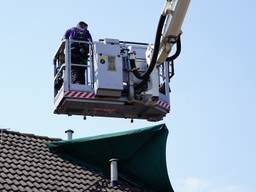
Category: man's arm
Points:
column 89, row 36
column 67, row 34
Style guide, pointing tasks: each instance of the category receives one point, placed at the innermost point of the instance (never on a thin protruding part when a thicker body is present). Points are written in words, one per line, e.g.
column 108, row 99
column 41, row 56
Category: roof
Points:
column 27, row 164
column 141, row 155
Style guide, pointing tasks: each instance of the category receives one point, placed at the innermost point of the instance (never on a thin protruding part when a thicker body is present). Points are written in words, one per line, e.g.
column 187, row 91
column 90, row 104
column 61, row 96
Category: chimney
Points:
column 69, row 134
column 113, row 172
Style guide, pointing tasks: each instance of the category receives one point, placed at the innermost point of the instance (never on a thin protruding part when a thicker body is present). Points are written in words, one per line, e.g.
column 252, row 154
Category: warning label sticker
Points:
column 102, row 59
column 111, row 63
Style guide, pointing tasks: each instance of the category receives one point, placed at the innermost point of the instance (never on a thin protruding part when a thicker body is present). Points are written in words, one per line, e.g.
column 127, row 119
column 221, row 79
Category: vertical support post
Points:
column 67, row 77
column 91, row 64
column 131, row 84
column 166, row 80
column 55, row 72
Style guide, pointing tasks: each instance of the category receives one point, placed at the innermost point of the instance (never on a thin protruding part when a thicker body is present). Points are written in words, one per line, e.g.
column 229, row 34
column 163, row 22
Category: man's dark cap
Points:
column 82, row 23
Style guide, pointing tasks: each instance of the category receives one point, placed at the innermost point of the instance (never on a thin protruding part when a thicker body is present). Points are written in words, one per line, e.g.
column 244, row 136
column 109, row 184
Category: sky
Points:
column 211, row 143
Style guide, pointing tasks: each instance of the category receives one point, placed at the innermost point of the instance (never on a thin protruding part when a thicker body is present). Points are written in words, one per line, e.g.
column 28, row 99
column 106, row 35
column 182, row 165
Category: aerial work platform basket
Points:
column 95, row 79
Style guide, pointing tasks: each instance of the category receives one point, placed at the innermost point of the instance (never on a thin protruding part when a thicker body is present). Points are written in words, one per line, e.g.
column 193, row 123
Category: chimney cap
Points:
column 69, row 131
column 113, row 159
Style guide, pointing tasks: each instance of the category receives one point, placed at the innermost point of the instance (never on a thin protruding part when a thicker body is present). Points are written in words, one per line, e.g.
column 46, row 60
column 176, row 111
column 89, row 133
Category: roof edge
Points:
column 7, row 130
column 111, row 135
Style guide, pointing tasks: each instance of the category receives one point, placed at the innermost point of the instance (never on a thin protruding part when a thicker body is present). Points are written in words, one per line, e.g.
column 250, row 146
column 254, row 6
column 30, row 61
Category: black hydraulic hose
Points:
column 134, row 69
column 151, row 67
column 178, row 50
column 174, row 56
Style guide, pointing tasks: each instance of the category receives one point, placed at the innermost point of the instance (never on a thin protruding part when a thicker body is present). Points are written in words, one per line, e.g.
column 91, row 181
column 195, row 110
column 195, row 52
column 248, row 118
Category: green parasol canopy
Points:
column 141, row 155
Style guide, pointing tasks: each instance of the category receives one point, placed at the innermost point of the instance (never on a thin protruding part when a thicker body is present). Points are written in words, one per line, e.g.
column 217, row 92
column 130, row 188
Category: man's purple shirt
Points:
column 74, row 32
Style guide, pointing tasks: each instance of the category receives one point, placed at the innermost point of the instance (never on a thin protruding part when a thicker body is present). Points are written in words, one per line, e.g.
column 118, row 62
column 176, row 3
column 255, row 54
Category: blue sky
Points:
column 211, row 146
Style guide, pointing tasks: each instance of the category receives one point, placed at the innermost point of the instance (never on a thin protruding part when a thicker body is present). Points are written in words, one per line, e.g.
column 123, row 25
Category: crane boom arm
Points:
column 175, row 11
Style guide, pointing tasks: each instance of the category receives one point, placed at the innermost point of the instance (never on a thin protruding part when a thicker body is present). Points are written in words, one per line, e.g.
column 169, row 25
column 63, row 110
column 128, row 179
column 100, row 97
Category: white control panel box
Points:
column 108, row 69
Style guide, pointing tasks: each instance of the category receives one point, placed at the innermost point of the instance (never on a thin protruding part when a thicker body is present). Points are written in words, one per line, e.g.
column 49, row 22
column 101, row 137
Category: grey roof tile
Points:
column 27, row 164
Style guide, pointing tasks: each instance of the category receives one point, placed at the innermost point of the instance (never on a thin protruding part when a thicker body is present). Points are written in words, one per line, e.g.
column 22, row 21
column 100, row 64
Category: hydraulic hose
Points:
column 174, row 56
column 178, row 50
column 134, row 69
column 144, row 77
